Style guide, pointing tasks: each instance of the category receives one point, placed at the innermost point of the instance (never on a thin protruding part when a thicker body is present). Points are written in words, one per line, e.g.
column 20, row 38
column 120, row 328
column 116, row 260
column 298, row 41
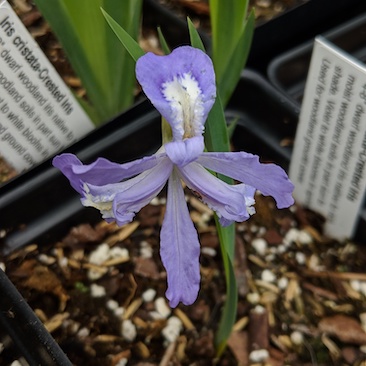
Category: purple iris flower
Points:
column 182, row 87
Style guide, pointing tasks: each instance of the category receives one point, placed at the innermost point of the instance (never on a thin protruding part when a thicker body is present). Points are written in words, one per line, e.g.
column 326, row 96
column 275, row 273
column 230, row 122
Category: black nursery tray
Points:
column 39, row 206
column 289, row 70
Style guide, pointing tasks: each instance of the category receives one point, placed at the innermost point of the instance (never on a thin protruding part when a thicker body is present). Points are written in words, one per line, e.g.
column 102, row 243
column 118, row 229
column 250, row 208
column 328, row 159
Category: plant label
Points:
column 38, row 114
column 328, row 166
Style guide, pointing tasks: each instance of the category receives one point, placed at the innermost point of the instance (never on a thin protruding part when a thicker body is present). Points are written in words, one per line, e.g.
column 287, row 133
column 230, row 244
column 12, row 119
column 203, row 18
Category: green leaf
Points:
column 195, row 38
column 227, row 23
column 163, row 42
column 216, row 135
column 236, row 61
column 132, row 47
column 228, row 316
column 96, row 55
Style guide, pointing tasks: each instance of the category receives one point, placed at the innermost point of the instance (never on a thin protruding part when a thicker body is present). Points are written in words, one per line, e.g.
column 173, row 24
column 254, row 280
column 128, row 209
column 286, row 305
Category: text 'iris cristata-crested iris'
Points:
column 182, row 88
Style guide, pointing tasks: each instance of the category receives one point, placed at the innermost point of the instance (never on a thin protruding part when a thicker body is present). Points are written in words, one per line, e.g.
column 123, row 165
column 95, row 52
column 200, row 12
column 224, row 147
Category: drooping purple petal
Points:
column 179, row 247
column 229, row 201
column 101, row 172
column 270, row 179
column 121, row 201
column 183, row 152
column 181, row 86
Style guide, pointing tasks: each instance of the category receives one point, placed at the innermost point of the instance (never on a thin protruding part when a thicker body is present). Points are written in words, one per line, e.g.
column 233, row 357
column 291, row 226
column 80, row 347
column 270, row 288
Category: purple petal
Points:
column 183, row 152
column 270, row 179
column 120, row 201
column 179, row 247
column 101, row 172
column 229, row 201
column 181, row 86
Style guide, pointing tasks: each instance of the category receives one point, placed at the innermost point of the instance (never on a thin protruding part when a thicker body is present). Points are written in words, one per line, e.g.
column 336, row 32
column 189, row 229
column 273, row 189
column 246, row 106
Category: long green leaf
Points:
column 163, row 42
column 128, row 42
column 227, row 23
column 98, row 58
column 236, row 61
column 228, row 315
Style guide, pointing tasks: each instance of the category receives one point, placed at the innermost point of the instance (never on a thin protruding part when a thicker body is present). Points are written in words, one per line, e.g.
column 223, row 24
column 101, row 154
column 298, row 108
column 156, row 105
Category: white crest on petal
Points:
column 103, row 204
column 185, row 97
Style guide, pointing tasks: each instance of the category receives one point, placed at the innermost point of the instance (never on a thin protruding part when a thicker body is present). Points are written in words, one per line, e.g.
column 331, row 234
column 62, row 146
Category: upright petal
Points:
column 270, row 179
column 101, row 172
column 229, row 201
column 181, row 86
column 179, row 247
column 120, row 201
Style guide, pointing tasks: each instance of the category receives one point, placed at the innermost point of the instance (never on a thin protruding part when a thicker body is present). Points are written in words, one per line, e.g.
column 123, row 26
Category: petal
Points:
column 181, row 86
column 183, row 152
column 120, row 201
column 229, row 201
column 101, row 172
column 179, row 247
column 270, row 179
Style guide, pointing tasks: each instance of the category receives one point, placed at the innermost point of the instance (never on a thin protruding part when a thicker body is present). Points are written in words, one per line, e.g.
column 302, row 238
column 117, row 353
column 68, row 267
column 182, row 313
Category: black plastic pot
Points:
column 289, row 70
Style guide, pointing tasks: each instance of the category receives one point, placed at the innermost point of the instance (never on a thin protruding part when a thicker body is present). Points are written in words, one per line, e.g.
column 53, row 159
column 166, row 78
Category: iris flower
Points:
column 182, row 87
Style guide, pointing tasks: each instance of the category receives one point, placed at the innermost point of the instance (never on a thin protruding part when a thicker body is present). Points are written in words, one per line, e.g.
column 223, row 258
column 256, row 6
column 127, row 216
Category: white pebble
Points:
column 16, row 363
column 304, row 237
column 83, row 332
column 63, row 262
column 2, row 266
column 172, row 330
column 46, row 259
column 149, row 295
column 146, row 251
column 270, row 258
column 258, row 355
column 128, row 330
column 297, row 338
column 155, row 201
column 259, row 309
column 162, row 308
column 282, row 283
column 268, row 276
column 97, row 290
column 118, row 252
column 209, row 251
column 300, row 258
column 112, row 304
column 2, row 347
column 281, row 249
column 94, row 275
column 291, row 236
column 253, row 297
column 122, row 362
column 260, row 246
column 363, row 288
column 363, row 320
column 356, row 285
column 100, row 254
column 119, row 311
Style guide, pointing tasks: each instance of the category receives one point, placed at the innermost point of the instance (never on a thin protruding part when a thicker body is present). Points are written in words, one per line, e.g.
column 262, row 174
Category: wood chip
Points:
column 184, row 319
column 345, row 328
column 123, row 233
column 56, row 321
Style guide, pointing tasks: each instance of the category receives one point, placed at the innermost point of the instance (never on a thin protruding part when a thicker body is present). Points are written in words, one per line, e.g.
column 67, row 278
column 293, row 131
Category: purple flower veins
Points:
column 182, row 87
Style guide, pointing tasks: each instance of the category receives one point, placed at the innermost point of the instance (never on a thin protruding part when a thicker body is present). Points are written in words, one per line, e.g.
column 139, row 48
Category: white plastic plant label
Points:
column 38, row 114
column 328, row 165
